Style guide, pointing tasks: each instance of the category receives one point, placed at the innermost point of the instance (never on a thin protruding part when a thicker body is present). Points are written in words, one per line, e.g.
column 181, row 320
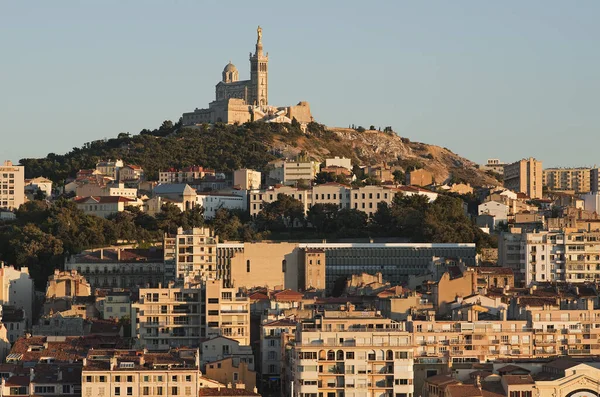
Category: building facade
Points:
column 247, row 179
column 569, row 179
column 12, row 186
column 524, row 176
column 191, row 254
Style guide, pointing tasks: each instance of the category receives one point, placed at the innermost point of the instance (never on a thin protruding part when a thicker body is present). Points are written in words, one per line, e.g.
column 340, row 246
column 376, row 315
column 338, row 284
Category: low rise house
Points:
column 105, row 206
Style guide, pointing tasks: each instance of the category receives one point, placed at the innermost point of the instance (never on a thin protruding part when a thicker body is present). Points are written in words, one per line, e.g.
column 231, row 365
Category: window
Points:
column 117, row 378
column 188, row 378
column 235, row 376
column 174, row 378
column 248, row 266
column 174, row 390
column 117, row 391
column 129, row 391
column 88, row 379
column 159, row 391
column 146, row 391
column 130, row 378
column 146, row 378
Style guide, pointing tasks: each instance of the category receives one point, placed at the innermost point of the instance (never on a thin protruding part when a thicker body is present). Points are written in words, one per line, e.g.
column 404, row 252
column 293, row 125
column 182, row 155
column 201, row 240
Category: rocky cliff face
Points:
column 376, row 147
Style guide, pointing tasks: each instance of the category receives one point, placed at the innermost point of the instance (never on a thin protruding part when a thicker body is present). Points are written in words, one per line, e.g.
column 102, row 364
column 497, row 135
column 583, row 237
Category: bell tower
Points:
column 259, row 74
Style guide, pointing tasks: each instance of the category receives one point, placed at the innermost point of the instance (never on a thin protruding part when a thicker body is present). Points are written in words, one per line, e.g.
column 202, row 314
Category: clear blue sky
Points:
column 506, row 79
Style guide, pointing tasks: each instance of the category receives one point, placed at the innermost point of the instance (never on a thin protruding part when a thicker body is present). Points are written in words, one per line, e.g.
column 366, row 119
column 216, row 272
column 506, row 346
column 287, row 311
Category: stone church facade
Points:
column 240, row 101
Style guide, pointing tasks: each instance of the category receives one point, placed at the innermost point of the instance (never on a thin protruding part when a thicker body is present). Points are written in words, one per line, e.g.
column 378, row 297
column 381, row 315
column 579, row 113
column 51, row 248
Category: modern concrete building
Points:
column 342, row 351
column 185, row 314
column 595, row 180
column 12, row 186
column 339, row 162
column 191, row 254
column 524, row 176
column 494, row 165
column 567, row 179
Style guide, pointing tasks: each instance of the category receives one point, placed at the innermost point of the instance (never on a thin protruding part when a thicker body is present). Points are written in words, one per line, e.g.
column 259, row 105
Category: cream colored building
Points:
column 570, row 179
column 230, row 371
column 12, row 186
column 494, row 165
column 241, row 101
column 192, row 254
column 167, row 317
column 524, row 176
column 106, row 206
column 111, row 190
column 227, row 312
column 67, row 284
column 351, row 353
column 122, row 373
column 247, row 179
column 183, row 315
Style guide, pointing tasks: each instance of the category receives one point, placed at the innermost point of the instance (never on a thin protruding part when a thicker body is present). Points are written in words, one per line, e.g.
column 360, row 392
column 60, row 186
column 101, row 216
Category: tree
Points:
column 322, row 217
column 281, row 214
column 399, row 176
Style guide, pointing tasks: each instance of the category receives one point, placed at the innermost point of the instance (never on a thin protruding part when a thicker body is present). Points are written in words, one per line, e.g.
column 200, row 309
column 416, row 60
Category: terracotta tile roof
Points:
column 286, row 322
column 463, row 391
column 258, row 296
column 288, row 295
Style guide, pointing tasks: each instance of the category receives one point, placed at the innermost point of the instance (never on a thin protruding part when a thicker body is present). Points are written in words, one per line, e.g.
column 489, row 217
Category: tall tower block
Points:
column 259, row 74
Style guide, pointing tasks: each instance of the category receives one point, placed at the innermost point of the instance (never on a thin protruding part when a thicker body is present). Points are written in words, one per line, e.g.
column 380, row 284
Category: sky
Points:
column 505, row 80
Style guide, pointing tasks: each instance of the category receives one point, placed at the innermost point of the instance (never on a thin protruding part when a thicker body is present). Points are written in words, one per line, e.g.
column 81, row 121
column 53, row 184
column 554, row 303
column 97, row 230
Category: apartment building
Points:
column 32, row 186
column 274, row 338
column 227, row 312
column 182, row 315
column 247, row 179
column 348, row 353
column 524, row 176
column 191, row 254
column 569, row 179
column 420, row 177
column 336, row 161
column 131, row 172
column 169, row 317
column 571, row 256
column 119, row 267
column 184, row 175
column 12, row 186
column 108, row 190
column 139, row 373
column 16, row 289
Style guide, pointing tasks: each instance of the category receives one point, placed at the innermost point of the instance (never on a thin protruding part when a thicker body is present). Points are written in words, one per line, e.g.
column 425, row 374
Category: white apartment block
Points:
column 347, row 353
column 571, row 256
column 290, row 172
column 191, row 254
column 247, row 179
column 12, row 186
column 16, row 289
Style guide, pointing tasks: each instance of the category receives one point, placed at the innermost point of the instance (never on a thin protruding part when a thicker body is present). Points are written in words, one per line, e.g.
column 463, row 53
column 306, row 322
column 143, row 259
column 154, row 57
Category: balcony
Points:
column 579, row 351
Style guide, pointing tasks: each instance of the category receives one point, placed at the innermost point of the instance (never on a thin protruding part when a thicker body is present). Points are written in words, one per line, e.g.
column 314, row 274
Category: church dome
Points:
column 230, row 68
column 230, row 73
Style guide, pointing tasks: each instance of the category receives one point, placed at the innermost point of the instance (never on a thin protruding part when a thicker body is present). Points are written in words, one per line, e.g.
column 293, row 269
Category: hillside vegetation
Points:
column 253, row 145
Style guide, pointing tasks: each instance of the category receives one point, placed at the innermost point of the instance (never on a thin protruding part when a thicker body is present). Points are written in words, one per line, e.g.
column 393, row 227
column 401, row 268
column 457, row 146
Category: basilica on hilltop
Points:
column 240, row 101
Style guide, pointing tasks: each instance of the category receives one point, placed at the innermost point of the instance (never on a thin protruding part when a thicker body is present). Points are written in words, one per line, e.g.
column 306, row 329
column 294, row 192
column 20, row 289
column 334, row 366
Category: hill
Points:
column 253, row 145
